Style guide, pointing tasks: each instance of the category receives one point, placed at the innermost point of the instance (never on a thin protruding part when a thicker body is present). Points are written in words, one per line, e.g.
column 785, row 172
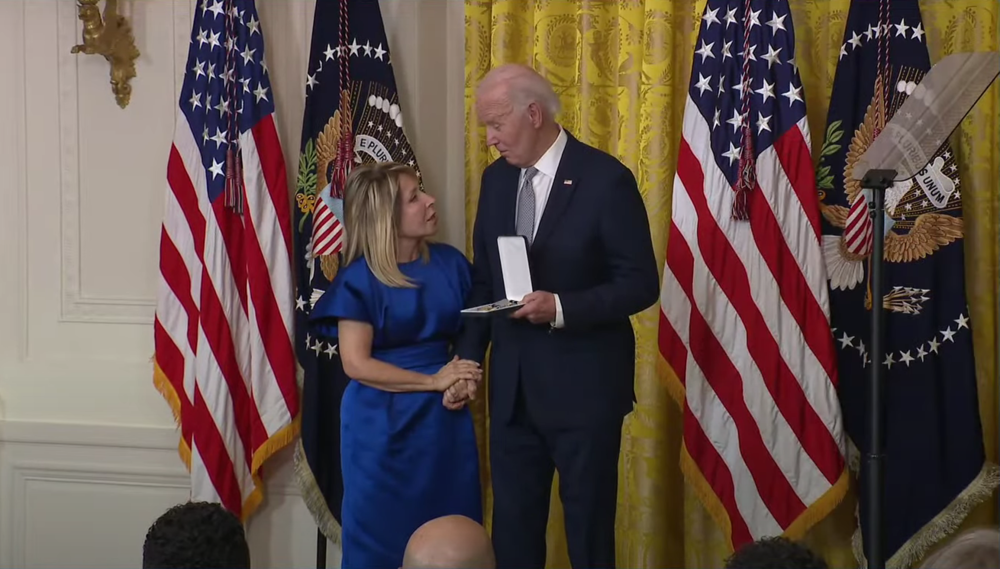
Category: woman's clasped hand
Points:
column 458, row 379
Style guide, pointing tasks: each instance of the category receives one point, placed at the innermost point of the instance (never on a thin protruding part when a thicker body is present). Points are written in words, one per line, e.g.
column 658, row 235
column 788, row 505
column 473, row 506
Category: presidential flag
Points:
column 223, row 330
column 744, row 321
column 935, row 469
column 352, row 116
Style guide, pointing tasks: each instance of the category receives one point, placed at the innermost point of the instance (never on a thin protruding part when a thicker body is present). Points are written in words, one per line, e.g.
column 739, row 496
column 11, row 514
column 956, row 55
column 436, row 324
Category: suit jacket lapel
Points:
column 509, row 179
column 561, row 192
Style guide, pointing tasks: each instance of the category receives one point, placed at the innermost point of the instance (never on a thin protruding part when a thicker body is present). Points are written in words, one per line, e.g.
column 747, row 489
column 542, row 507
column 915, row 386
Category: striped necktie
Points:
column 525, row 221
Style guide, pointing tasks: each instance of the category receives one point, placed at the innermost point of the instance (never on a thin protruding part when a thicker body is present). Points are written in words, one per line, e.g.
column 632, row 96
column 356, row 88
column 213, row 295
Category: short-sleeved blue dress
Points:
column 406, row 458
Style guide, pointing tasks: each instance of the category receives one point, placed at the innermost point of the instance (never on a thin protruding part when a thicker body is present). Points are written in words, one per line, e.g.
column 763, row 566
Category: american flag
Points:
column 224, row 319
column 744, row 321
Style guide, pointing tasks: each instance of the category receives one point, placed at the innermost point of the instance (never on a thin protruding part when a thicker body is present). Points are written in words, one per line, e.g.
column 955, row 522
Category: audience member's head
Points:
column 974, row 549
column 450, row 542
column 775, row 553
column 196, row 535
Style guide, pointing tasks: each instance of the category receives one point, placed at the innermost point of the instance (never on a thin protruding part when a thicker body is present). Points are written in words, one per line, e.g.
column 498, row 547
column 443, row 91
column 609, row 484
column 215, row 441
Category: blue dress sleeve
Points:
column 346, row 299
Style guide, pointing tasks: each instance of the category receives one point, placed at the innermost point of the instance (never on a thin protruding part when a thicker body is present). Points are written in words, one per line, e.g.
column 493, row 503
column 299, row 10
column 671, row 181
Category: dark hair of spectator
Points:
column 196, row 535
column 775, row 553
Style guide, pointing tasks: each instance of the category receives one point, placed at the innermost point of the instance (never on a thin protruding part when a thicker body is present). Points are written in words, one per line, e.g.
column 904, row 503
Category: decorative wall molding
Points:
column 87, row 435
column 76, row 306
column 54, row 475
column 30, row 477
column 37, row 459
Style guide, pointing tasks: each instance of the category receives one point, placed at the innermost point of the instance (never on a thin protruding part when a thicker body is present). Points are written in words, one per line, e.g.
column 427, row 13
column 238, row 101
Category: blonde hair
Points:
column 371, row 210
column 974, row 549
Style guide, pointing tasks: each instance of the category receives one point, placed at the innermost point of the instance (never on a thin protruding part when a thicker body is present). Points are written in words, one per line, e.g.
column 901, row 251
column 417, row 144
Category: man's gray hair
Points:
column 974, row 549
column 524, row 86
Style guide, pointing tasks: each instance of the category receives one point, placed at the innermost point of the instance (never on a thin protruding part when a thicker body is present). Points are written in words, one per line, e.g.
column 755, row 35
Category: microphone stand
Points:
column 320, row 549
column 877, row 181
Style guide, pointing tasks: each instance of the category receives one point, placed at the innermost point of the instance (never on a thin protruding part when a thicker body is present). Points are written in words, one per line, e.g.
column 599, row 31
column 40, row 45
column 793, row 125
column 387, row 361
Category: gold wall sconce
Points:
column 110, row 36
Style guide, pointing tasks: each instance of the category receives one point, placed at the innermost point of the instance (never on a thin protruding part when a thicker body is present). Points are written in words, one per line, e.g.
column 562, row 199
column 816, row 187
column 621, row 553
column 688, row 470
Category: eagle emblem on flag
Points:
column 376, row 136
column 922, row 214
column 314, row 187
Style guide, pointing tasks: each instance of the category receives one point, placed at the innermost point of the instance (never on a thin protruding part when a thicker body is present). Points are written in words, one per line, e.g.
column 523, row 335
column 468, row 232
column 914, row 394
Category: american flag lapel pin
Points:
column 567, row 182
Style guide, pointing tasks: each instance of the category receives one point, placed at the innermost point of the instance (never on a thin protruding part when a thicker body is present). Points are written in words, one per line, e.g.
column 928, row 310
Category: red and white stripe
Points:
column 744, row 325
column 328, row 232
column 858, row 230
column 224, row 319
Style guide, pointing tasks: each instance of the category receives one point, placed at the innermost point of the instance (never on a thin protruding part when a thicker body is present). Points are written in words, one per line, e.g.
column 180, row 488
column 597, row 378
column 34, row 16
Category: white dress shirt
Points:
column 542, row 185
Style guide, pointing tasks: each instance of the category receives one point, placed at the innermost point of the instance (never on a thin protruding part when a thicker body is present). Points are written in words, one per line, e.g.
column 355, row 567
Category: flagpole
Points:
column 320, row 549
column 877, row 181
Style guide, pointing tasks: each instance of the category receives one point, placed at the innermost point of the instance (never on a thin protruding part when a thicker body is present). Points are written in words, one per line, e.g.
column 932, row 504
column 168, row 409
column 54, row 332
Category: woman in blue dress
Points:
column 408, row 446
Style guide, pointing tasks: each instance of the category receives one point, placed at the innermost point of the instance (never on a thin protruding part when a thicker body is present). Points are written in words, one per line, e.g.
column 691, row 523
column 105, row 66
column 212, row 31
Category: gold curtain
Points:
column 621, row 68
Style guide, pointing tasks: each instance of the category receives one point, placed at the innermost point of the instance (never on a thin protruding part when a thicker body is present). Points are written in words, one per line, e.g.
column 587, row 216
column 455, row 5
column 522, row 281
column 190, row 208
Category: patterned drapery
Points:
column 621, row 68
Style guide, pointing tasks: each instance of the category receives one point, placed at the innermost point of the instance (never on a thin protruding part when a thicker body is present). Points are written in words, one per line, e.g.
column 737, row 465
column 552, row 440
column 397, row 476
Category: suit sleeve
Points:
column 475, row 335
column 634, row 282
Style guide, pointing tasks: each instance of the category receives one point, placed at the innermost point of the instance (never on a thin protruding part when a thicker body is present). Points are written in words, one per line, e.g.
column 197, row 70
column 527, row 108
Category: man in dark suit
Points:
column 562, row 365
